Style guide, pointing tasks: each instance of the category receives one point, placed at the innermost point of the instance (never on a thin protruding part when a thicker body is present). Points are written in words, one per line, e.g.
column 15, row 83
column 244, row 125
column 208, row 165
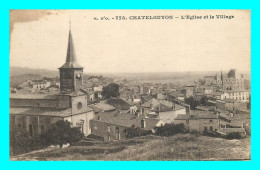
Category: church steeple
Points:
column 71, row 73
column 71, row 59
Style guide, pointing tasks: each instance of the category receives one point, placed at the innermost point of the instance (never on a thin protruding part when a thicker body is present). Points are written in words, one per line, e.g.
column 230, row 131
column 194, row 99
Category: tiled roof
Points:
column 125, row 119
column 152, row 102
column 118, row 103
column 48, row 111
column 32, row 96
column 102, row 106
column 198, row 115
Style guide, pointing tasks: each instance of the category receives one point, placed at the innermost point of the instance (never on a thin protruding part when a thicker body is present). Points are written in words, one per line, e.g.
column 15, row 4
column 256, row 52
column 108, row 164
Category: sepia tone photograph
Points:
column 137, row 85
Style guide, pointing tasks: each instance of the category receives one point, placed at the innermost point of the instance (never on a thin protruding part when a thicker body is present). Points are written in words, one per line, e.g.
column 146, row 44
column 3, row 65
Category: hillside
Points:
column 178, row 147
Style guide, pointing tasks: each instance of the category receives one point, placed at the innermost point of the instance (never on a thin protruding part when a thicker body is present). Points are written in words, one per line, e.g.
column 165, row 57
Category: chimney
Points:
column 143, row 123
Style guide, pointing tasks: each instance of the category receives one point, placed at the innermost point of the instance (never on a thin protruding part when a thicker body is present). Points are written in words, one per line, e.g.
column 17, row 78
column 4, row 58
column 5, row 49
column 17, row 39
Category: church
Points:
column 35, row 113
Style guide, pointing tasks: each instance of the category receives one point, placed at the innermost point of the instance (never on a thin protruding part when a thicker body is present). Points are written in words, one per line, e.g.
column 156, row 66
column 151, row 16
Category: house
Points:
column 202, row 121
column 111, row 125
column 39, row 84
column 230, row 105
column 98, row 88
column 205, row 121
column 164, row 110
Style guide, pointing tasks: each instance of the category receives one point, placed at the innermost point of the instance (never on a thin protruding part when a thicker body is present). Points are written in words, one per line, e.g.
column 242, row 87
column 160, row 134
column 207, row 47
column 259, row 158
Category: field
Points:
column 178, row 147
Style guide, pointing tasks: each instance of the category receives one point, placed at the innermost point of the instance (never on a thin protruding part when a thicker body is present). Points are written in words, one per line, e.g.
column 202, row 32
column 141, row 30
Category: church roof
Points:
column 71, row 60
column 40, row 111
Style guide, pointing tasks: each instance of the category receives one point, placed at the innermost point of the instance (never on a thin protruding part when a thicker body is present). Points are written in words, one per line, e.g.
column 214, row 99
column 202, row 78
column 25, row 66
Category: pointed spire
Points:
column 71, row 60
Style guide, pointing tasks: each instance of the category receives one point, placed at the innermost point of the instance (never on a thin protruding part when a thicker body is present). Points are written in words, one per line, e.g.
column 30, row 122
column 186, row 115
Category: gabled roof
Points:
column 118, row 103
column 150, row 102
column 197, row 115
column 71, row 60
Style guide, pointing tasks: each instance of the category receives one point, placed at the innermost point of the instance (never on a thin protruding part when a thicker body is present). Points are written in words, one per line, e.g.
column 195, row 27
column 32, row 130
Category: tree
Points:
column 61, row 133
column 192, row 102
column 111, row 90
column 203, row 100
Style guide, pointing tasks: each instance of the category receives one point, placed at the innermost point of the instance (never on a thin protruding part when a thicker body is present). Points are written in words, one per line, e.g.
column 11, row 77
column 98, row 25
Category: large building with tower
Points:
column 35, row 113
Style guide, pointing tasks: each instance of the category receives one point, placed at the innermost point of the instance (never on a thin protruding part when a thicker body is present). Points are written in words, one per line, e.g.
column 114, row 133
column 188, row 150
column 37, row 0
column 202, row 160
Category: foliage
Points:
column 136, row 131
column 22, row 142
column 111, row 90
column 194, row 103
column 170, row 129
column 62, row 133
column 211, row 134
column 194, row 132
column 59, row 133
column 203, row 100
column 234, row 135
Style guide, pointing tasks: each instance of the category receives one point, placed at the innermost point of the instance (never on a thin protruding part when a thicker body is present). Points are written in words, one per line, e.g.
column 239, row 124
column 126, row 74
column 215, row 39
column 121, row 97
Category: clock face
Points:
column 78, row 75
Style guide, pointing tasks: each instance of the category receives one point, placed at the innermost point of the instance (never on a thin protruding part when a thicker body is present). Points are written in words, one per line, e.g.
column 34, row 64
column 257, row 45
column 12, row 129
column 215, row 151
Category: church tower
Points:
column 71, row 73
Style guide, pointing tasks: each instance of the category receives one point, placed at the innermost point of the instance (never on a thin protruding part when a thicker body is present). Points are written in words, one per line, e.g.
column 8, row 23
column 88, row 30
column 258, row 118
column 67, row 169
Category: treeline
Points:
column 172, row 129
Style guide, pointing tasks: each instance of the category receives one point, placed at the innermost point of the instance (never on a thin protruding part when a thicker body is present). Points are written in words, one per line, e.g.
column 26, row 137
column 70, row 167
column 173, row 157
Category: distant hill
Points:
column 23, row 71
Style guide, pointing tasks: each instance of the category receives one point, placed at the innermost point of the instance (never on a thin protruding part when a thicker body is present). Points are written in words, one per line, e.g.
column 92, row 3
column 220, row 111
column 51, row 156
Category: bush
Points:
column 170, row 129
column 233, row 135
column 21, row 142
column 194, row 132
column 136, row 131
column 62, row 133
column 211, row 134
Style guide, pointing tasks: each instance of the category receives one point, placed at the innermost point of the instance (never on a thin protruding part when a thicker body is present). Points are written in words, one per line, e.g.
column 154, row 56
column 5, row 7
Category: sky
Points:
column 38, row 39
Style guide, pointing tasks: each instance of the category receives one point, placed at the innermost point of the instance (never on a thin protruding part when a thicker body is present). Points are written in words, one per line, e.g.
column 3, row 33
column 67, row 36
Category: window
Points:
column 117, row 129
column 79, row 105
column 210, row 121
column 117, row 133
column 187, row 122
column 108, row 129
column 205, row 128
column 211, row 128
column 108, row 138
column 30, row 129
